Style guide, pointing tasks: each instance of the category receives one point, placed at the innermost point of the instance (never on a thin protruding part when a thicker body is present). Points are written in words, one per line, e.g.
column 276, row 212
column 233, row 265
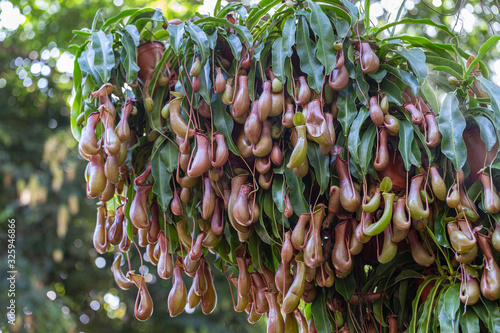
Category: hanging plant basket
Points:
column 147, row 55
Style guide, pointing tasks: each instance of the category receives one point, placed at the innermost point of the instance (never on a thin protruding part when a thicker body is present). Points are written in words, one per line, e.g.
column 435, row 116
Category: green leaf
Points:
column 296, row 187
column 201, row 39
column 429, row 96
column 341, row 25
column 76, row 47
column 269, row 211
column 366, row 8
column 280, row 218
column 130, row 231
column 451, row 125
column 262, row 232
column 416, row 59
column 435, row 310
column 405, row 141
column 279, row 60
column 76, row 97
column 354, row 135
column 448, row 70
column 163, row 164
column 321, row 165
column 385, row 271
column 320, row 314
column 494, row 91
column 251, row 83
column 104, row 58
column 469, row 322
column 392, row 91
column 131, row 30
column 222, row 12
column 410, row 80
column 391, row 69
column 402, row 304
column 141, row 21
column 482, row 52
column 445, row 324
column 235, row 45
column 487, row 131
column 260, row 228
column 407, row 274
column 475, row 190
column 489, row 313
column 416, row 154
column 176, row 36
column 378, row 311
column 97, row 15
column 420, row 135
column 150, row 14
column 480, row 310
column 242, row 31
column 450, row 63
column 154, row 117
column 347, row 109
column 242, row 11
column 86, row 62
column 212, row 40
column 83, row 32
column 205, row 83
column 440, row 229
column 306, row 51
column 416, row 302
column 414, row 21
column 320, row 25
column 361, row 86
column 118, row 17
column 278, row 192
column 442, row 50
column 223, row 122
column 261, row 51
column 425, row 318
column 346, row 286
column 167, row 57
column 255, row 16
column 353, row 11
column 130, row 41
column 288, row 37
column 379, row 75
column 355, row 170
column 366, row 147
column 452, row 301
column 130, row 198
column 76, row 109
column 289, row 78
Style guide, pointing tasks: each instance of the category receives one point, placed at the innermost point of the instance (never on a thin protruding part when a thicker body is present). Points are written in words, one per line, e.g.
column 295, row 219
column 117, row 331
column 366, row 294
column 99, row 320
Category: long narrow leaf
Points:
column 320, row 25
column 452, row 125
column 104, row 59
column 309, row 63
column 482, row 52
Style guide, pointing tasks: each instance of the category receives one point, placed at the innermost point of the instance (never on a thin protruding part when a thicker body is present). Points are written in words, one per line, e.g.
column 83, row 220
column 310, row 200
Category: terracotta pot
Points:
column 476, row 152
column 146, row 58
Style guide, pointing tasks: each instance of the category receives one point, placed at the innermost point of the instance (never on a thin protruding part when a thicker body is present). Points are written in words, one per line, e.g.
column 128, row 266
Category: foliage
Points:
column 310, row 63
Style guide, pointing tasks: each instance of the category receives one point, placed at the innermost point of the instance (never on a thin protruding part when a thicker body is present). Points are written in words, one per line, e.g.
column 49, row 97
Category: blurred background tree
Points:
column 63, row 285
